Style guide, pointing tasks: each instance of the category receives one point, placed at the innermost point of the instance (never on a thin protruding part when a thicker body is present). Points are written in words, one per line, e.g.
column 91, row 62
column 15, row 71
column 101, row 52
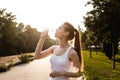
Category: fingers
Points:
column 44, row 33
column 55, row 74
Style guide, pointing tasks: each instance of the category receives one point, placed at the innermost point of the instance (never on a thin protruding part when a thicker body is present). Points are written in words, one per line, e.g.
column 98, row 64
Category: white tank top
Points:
column 61, row 63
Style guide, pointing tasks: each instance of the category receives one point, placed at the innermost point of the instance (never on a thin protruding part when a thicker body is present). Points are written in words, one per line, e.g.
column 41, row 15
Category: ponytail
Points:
column 78, row 47
column 73, row 33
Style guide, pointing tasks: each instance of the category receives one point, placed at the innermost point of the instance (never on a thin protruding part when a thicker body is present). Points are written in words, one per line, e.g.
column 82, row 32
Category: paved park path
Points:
column 35, row 70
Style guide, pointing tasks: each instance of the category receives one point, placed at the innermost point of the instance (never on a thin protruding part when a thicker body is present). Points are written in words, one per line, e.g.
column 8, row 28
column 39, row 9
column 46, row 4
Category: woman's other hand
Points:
column 56, row 74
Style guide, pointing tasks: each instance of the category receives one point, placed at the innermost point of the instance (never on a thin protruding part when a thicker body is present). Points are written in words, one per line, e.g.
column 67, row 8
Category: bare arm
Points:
column 76, row 73
column 76, row 66
column 38, row 51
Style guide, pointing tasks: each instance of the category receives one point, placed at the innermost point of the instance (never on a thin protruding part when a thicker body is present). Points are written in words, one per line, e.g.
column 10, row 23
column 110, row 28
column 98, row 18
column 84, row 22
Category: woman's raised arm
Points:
column 38, row 51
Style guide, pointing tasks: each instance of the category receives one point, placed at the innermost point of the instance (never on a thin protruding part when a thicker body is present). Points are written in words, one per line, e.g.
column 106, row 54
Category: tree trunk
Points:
column 90, row 52
column 113, row 53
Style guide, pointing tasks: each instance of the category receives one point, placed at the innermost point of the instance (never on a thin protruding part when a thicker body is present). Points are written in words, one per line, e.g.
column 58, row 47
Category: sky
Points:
column 49, row 14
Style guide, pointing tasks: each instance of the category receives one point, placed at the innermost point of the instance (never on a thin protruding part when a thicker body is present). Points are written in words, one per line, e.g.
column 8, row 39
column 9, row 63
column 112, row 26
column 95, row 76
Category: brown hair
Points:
column 74, row 33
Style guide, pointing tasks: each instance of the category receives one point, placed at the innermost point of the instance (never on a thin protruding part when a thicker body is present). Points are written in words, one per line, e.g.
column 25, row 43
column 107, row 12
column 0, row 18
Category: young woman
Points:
column 66, row 61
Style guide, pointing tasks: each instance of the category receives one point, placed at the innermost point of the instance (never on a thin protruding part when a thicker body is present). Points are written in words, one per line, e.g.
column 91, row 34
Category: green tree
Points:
column 16, row 39
column 104, row 21
column 7, row 30
column 32, row 38
column 20, row 43
column 89, row 39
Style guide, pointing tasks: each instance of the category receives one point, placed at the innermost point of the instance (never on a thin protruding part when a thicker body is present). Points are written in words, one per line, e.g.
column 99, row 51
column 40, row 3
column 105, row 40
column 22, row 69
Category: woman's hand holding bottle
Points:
column 44, row 34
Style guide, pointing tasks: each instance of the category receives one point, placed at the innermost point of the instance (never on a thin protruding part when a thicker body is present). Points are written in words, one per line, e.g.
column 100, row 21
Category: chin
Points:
column 56, row 36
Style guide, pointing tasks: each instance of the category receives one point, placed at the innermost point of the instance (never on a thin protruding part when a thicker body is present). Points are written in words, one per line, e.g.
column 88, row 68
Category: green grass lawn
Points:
column 99, row 67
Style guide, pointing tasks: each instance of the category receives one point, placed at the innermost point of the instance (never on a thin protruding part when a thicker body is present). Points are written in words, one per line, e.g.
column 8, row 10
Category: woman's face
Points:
column 60, row 32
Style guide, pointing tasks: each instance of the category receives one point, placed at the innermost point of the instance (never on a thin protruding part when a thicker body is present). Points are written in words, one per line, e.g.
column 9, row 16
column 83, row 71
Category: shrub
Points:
column 4, row 67
column 10, row 64
column 26, row 58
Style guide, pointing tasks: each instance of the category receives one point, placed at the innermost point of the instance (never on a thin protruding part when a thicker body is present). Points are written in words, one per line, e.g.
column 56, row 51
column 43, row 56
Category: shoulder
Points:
column 53, row 47
column 73, row 51
column 72, row 54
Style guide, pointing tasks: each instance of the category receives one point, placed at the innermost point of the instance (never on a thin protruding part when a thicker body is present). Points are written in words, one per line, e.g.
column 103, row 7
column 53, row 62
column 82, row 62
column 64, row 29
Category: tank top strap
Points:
column 68, row 50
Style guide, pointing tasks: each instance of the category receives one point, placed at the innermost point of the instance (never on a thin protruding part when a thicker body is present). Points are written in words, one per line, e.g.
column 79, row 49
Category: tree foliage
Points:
column 7, row 30
column 104, row 21
column 16, row 39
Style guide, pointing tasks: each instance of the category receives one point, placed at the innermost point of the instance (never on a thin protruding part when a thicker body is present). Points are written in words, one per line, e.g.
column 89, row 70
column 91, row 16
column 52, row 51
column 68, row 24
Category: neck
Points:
column 63, row 43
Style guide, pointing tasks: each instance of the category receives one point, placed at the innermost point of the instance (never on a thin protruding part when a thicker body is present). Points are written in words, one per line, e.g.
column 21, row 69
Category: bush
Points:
column 4, row 67
column 10, row 64
column 26, row 58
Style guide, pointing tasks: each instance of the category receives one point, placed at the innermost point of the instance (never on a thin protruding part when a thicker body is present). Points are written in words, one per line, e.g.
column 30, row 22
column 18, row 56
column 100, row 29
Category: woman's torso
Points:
column 61, row 63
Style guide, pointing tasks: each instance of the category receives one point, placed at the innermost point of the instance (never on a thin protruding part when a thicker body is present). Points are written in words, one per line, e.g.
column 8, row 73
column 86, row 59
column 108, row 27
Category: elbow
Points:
column 79, row 74
column 36, row 56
